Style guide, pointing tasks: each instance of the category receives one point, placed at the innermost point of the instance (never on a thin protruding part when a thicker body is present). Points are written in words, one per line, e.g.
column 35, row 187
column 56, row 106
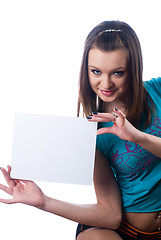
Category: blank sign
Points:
column 53, row 148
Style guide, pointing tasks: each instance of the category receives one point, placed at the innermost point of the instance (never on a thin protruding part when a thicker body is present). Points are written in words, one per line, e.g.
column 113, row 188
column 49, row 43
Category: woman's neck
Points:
column 109, row 107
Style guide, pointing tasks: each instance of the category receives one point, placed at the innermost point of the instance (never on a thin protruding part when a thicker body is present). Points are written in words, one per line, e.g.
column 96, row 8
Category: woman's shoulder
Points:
column 153, row 82
column 153, row 85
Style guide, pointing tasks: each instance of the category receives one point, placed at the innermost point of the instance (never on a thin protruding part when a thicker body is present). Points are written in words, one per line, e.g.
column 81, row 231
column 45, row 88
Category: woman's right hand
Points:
column 22, row 191
column 121, row 127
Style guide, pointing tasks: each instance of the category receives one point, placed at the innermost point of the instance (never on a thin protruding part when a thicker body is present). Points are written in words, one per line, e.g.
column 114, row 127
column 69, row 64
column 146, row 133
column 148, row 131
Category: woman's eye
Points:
column 119, row 73
column 96, row 72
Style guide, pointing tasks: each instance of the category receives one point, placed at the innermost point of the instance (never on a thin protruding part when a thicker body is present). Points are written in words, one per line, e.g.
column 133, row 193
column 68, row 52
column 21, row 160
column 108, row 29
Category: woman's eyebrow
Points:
column 119, row 68
column 115, row 69
column 91, row 66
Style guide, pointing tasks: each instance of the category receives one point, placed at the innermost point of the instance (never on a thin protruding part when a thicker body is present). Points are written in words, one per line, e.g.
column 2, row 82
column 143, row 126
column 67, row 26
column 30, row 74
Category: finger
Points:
column 120, row 121
column 97, row 119
column 119, row 113
column 8, row 178
column 8, row 201
column 9, row 169
column 101, row 117
column 6, row 189
column 104, row 130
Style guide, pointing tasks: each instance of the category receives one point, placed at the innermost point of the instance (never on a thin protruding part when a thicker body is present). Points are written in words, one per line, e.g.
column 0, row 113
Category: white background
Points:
column 41, row 44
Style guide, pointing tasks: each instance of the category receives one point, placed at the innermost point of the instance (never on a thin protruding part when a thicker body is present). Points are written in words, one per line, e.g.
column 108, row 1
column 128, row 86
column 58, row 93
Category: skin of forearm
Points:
column 149, row 142
column 90, row 214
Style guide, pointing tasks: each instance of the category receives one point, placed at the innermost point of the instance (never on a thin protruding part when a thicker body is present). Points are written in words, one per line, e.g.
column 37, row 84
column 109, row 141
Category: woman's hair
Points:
column 109, row 36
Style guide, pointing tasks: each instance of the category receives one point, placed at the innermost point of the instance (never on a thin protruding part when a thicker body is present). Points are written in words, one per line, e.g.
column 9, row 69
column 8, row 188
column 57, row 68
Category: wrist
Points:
column 43, row 204
column 139, row 137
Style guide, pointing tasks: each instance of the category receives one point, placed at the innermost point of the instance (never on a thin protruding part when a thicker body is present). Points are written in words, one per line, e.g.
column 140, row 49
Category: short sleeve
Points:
column 154, row 85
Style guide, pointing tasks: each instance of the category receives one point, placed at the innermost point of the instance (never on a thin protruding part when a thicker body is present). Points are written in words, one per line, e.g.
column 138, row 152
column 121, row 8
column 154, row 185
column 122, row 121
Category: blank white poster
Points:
column 53, row 148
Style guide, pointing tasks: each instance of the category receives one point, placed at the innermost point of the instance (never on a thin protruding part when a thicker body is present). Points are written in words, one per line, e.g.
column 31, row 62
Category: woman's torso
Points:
column 147, row 222
column 137, row 171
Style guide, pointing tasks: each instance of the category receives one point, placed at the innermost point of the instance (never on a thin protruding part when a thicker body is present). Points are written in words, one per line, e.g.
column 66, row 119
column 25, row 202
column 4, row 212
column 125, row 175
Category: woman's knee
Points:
column 97, row 234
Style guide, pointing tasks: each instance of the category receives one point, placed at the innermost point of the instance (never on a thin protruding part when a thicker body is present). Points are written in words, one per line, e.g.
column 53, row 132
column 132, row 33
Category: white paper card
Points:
column 53, row 148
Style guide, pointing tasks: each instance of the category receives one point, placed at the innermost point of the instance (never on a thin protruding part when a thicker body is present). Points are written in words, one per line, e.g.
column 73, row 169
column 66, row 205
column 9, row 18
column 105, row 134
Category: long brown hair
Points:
column 109, row 36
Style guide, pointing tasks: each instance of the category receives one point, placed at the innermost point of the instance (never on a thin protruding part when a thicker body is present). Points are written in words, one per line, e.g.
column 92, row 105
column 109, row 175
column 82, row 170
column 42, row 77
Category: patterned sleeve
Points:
column 155, row 84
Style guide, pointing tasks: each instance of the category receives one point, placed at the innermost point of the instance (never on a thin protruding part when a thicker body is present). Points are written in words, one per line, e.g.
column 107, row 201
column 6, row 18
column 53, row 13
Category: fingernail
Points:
column 95, row 113
column 116, row 109
column 115, row 114
column 89, row 117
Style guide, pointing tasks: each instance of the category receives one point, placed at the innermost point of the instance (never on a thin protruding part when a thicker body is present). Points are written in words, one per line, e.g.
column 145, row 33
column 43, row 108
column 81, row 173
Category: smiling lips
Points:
column 108, row 92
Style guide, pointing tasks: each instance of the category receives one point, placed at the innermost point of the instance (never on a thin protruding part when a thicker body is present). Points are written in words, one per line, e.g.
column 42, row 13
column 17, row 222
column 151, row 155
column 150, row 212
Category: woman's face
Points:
column 108, row 74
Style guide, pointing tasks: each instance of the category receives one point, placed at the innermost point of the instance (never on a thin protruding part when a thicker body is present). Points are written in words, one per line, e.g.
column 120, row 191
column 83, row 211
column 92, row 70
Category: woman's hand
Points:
column 22, row 191
column 121, row 127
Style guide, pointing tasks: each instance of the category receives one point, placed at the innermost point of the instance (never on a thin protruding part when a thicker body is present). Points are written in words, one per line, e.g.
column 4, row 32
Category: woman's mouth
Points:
column 108, row 92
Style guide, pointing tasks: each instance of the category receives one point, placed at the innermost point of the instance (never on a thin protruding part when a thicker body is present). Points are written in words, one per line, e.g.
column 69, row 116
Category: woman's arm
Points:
column 105, row 214
column 149, row 142
column 126, row 131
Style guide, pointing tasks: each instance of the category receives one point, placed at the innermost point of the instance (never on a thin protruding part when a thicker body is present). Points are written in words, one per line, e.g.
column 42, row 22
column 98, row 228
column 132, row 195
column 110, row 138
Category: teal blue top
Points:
column 137, row 171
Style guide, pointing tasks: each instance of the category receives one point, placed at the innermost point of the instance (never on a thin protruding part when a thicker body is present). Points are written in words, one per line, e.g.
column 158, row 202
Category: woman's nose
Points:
column 106, row 82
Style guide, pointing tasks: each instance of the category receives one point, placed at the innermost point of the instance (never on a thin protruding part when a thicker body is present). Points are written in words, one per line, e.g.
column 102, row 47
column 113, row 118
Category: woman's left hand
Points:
column 121, row 127
column 22, row 191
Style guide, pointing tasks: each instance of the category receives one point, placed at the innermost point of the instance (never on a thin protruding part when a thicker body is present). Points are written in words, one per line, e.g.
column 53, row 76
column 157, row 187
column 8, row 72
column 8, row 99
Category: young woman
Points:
column 127, row 175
